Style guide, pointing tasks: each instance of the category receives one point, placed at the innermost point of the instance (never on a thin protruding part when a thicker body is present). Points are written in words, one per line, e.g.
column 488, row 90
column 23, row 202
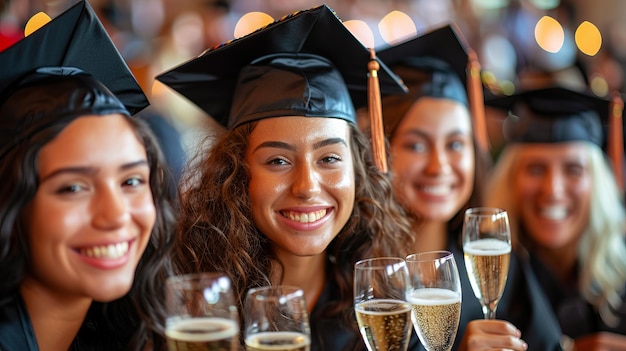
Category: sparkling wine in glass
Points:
column 382, row 312
column 201, row 313
column 487, row 252
column 435, row 296
column 276, row 319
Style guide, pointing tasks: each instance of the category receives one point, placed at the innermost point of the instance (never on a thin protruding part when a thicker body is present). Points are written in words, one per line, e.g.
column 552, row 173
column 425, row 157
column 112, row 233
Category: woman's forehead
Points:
column 298, row 126
column 553, row 151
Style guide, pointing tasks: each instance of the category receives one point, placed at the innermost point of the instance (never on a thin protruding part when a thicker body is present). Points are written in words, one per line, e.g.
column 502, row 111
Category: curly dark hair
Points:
column 131, row 322
column 217, row 233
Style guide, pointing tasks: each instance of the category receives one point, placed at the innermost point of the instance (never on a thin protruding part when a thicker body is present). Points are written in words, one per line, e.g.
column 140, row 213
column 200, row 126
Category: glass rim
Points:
column 193, row 277
column 429, row 256
column 484, row 211
column 289, row 291
column 378, row 262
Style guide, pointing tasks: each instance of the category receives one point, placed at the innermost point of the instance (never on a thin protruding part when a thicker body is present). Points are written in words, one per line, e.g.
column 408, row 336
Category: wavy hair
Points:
column 131, row 322
column 216, row 231
column 602, row 248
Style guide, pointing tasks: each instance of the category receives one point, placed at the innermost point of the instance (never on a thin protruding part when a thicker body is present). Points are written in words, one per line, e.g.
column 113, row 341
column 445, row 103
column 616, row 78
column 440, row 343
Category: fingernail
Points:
column 518, row 333
column 524, row 344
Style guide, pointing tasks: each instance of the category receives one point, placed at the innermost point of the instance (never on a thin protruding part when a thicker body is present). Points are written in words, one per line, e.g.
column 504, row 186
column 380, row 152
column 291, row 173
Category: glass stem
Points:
column 490, row 313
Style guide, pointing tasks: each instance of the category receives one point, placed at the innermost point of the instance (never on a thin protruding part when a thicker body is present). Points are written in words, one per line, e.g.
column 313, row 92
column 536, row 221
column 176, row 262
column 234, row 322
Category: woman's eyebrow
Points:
column 330, row 141
column 287, row 146
column 89, row 170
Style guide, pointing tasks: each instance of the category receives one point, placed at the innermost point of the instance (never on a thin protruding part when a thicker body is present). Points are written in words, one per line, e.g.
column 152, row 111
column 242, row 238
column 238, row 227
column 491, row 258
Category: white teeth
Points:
column 112, row 251
column 305, row 217
column 554, row 212
column 438, row 190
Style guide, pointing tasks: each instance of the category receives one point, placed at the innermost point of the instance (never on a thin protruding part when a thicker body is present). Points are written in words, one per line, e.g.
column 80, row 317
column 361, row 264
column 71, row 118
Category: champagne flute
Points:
column 201, row 313
column 435, row 293
column 276, row 318
column 487, row 252
column 382, row 312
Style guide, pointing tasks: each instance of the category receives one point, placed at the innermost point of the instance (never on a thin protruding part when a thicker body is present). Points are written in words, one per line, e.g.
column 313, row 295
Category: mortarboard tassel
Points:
column 376, row 114
column 476, row 100
column 616, row 139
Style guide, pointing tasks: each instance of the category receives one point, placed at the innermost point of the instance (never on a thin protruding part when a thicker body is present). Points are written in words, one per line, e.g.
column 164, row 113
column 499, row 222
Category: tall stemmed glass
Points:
column 382, row 312
column 435, row 294
column 276, row 318
column 487, row 252
column 201, row 313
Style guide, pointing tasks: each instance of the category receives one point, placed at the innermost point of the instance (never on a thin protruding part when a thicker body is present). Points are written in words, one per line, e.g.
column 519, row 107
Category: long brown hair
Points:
column 216, row 232
column 130, row 322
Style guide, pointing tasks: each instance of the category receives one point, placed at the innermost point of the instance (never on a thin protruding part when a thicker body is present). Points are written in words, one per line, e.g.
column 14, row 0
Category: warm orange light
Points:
column 361, row 31
column 549, row 34
column 588, row 38
column 396, row 26
column 37, row 21
column 250, row 22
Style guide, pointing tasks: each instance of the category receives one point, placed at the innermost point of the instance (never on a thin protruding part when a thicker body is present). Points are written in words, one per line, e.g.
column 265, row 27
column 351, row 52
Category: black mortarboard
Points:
column 65, row 69
column 75, row 38
column 435, row 64
column 553, row 115
column 297, row 65
column 558, row 114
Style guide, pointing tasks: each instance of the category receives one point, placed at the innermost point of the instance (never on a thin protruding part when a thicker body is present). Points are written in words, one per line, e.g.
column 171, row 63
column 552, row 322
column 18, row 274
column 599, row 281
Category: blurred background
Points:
column 520, row 43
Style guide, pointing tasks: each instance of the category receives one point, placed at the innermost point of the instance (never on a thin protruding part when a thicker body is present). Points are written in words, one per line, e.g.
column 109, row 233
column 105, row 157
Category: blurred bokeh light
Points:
column 361, row 31
column 546, row 4
column 250, row 22
column 396, row 26
column 549, row 34
column 588, row 38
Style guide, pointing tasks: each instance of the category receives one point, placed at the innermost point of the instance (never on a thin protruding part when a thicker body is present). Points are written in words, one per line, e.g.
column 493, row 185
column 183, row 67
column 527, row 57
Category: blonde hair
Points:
column 602, row 248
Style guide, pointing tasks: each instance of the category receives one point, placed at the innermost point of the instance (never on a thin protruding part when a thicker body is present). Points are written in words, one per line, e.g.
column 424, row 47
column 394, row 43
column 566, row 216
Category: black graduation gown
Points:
column 333, row 334
column 17, row 334
column 576, row 316
column 522, row 303
column 16, row 330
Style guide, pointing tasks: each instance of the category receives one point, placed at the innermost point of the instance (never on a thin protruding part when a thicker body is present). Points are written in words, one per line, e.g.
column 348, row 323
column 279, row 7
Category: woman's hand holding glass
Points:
column 201, row 313
column 435, row 293
column 487, row 252
column 276, row 319
column 382, row 312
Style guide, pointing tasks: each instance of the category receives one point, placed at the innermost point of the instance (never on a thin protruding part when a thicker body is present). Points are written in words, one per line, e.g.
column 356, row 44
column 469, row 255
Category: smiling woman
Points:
column 439, row 166
column 91, row 217
column 86, row 221
column 317, row 199
column 289, row 194
column 566, row 208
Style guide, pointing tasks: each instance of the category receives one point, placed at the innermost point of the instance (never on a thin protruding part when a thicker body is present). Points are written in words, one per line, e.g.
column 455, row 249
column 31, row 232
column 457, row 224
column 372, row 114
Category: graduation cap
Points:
column 558, row 114
column 65, row 69
column 75, row 38
column 305, row 64
column 437, row 64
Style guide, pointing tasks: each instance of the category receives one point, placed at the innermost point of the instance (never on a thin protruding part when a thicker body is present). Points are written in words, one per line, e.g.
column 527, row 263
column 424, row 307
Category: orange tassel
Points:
column 615, row 142
column 376, row 114
column 476, row 101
